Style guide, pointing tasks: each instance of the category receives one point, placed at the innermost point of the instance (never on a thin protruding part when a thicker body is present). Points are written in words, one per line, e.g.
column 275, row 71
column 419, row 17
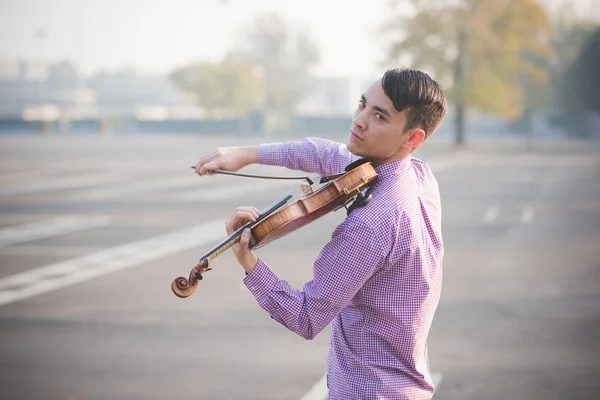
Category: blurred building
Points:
column 334, row 96
column 34, row 90
column 29, row 86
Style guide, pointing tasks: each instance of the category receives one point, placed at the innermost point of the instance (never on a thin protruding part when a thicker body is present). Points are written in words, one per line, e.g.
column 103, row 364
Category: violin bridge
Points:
column 306, row 189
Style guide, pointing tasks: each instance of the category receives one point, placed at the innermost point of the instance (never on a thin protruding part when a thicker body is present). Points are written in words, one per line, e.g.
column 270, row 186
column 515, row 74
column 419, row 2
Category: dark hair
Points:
column 422, row 97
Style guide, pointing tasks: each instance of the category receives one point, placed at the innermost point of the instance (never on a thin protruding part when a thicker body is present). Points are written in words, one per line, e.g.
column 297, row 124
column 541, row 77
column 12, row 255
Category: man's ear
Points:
column 417, row 136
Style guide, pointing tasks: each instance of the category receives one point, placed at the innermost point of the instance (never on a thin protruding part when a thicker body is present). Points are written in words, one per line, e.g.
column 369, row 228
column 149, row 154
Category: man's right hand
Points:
column 228, row 159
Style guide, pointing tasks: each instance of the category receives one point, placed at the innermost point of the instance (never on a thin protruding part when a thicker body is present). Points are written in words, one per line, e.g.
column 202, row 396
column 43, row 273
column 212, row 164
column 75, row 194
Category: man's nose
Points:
column 359, row 121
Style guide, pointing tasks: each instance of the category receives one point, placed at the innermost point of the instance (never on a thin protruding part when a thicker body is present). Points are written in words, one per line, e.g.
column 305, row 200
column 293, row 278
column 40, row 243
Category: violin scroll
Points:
column 182, row 287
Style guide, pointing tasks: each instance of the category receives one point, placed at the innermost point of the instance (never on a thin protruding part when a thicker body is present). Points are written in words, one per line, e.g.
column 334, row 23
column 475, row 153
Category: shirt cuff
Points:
column 272, row 154
column 261, row 281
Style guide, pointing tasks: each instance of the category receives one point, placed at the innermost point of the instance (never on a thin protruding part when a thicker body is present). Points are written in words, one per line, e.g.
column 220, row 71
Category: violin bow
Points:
column 220, row 171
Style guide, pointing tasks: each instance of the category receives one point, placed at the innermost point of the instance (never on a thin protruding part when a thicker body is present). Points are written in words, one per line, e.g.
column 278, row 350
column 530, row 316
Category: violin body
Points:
column 338, row 191
column 327, row 198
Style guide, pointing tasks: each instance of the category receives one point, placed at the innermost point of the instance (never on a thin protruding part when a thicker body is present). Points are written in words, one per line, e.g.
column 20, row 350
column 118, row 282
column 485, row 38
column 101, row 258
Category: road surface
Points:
column 94, row 229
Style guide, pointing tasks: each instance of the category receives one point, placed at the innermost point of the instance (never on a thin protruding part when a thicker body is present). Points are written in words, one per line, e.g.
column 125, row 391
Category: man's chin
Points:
column 354, row 149
column 351, row 146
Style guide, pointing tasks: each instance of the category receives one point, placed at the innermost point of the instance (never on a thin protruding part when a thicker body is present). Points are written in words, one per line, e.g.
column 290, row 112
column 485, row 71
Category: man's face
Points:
column 377, row 127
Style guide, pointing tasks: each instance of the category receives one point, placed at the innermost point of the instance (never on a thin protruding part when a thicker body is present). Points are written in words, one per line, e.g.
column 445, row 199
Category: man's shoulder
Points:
column 421, row 166
column 376, row 218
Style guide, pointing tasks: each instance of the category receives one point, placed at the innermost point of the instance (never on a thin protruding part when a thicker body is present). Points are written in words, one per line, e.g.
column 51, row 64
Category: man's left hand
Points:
column 241, row 216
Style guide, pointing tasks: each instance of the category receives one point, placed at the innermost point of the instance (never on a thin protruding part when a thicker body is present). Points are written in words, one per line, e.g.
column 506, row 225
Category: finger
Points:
column 252, row 210
column 235, row 226
column 203, row 161
column 229, row 227
column 205, row 168
column 255, row 212
column 237, row 220
column 245, row 240
column 243, row 217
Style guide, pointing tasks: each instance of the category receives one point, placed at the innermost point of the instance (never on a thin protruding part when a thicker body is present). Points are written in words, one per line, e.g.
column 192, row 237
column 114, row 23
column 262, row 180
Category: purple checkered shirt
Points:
column 377, row 280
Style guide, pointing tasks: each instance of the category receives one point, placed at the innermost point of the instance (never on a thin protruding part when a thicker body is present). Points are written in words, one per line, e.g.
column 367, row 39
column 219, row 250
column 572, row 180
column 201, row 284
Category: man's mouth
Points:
column 356, row 136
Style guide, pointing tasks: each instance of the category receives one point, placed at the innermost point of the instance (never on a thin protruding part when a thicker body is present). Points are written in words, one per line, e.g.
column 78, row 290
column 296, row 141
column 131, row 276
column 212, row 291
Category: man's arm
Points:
column 346, row 262
column 322, row 156
column 315, row 155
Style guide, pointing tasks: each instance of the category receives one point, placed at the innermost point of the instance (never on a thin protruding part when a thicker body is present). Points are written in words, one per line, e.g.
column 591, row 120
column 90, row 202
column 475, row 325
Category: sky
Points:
column 156, row 36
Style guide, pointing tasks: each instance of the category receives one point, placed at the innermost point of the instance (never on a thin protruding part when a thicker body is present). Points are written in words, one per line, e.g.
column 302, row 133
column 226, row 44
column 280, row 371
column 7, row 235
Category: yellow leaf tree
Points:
column 493, row 51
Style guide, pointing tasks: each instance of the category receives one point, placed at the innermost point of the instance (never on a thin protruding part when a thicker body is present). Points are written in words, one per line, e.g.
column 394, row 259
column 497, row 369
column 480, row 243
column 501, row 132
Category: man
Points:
column 378, row 279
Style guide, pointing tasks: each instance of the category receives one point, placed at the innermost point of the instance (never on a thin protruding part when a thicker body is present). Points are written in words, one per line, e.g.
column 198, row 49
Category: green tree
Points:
column 586, row 70
column 286, row 55
column 233, row 86
column 577, row 85
column 569, row 36
column 492, row 51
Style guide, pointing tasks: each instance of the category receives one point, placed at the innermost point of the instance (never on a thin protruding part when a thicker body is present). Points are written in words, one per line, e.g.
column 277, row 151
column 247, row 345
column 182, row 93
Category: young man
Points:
column 378, row 279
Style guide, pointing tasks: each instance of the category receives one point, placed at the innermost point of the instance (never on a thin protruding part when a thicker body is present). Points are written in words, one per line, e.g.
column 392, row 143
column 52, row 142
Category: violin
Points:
column 281, row 219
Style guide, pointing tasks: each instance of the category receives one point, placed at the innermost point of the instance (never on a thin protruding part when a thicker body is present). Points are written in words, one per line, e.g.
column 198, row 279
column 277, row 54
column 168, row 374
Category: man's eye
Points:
column 379, row 116
column 361, row 103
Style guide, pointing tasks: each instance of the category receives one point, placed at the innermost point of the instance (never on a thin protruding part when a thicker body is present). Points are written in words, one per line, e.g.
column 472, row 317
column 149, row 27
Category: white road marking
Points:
column 437, row 379
column 222, row 192
column 56, row 276
column 527, row 215
column 490, row 214
column 319, row 390
column 63, row 183
column 131, row 188
column 48, row 228
column 44, row 251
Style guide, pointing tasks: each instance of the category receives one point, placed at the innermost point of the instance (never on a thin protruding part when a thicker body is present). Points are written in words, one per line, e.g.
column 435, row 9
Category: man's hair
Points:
column 414, row 91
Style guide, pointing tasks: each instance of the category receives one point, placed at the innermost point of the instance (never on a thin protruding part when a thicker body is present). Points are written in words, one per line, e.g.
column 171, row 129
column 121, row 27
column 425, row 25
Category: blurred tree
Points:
column 569, row 35
column 285, row 56
column 492, row 51
column 569, row 32
column 586, row 70
column 578, row 81
column 233, row 85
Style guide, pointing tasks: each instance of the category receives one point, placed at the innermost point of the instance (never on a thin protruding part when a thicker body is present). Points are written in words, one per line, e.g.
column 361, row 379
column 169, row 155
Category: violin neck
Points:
column 221, row 248
column 235, row 237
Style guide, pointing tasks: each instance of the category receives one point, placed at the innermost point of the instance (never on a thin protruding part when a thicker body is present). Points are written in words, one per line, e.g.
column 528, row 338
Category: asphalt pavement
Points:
column 93, row 230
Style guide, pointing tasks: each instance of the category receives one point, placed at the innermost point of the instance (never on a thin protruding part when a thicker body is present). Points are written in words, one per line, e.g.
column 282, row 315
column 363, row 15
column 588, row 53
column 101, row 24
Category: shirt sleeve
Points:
column 314, row 155
column 343, row 266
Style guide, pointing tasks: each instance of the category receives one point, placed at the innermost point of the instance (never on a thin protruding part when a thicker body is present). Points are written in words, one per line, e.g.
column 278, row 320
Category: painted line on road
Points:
column 45, row 251
column 223, row 192
column 319, row 390
column 131, row 188
column 437, row 380
column 208, row 190
column 48, row 228
column 491, row 214
column 87, row 180
column 59, row 275
column 527, row 215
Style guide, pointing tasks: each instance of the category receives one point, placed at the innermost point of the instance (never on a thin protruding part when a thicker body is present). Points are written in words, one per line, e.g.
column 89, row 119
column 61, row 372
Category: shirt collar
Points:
column 393, row 167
